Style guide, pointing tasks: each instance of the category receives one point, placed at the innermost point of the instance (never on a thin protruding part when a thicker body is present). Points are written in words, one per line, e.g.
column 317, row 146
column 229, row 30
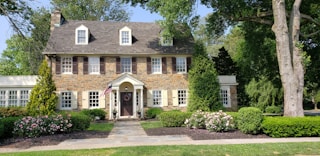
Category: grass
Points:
column 267, row 149
column 150, row 124
column 105, row 127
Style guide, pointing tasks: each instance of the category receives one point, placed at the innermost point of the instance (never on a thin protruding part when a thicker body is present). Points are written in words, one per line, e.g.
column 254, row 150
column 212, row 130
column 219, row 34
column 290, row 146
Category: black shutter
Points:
column 102, row 66
column 85, row 65
column 118, row 67
column 134, row 65
column 164, row 65
column 74, row 65
column 58, row 65
column 174, row 68
column 189, row 61
column 148, row 65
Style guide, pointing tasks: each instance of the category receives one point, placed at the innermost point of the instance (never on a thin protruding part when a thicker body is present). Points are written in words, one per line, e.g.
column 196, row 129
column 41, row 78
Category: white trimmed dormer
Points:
column 125, row 37
column 166, row 41
column 82, row 35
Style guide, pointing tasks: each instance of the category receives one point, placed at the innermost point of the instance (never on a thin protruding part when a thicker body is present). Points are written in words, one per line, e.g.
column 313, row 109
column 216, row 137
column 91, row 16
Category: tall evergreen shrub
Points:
column 43, row 99
column 204, row 88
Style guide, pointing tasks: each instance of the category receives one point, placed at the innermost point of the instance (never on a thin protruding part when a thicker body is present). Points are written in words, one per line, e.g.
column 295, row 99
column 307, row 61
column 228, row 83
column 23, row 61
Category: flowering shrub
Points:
column 41, row 125
column 215, row 121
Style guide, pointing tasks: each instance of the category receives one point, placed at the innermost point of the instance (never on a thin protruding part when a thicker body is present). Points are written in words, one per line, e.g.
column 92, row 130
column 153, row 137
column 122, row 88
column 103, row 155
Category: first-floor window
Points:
column 157, row 97
column 24, row 97
column 66, row 99
column 2, row 98
column 224, row 97
column 93, row 99
column 13, row 98
column 182, row 97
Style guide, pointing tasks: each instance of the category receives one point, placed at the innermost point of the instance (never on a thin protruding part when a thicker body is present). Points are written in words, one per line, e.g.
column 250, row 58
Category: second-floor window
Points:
column 66, row 64
column 181, row 64
column 126, row 65
column 94, row 65
column 156, row 65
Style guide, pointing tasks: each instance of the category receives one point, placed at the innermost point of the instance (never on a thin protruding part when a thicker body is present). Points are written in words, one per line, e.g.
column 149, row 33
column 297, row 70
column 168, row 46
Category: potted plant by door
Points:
column 139, row 113
column 114, row 112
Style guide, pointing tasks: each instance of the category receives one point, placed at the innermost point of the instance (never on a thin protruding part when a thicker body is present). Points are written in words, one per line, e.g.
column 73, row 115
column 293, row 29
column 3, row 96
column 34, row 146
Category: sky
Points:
column 137, row 15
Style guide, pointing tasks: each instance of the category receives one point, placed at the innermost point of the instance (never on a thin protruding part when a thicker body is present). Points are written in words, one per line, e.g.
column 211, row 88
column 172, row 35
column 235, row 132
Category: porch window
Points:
column 157, row 98
column 24, row 97
column 13, row 98
column 94, row 99
column 66, row 100
column 2, row 98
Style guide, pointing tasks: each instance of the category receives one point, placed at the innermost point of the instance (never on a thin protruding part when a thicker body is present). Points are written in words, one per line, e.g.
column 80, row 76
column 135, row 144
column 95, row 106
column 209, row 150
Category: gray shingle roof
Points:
column 104, row 39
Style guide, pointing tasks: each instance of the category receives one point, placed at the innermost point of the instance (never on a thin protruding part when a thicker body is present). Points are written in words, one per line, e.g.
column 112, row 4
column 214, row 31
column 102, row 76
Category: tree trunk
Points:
column 289, row 56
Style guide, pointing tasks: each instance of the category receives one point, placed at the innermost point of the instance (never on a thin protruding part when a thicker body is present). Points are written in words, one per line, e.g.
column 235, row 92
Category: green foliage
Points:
column 12, row 111
column 80, row 121
column 224, row 64
column 173, row 118
column 8, row 124
column 92, row 113
column 291, row 126
column 43, row 99
column 1, row 129
column 204, row 87
column 262, row 93
column 273, row 109
column 249, row 120
column 235, row 118
column 153, row 112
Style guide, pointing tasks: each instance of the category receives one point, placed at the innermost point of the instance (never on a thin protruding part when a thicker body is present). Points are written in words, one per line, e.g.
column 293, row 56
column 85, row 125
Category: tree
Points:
column 43, row 98
column 224, row 64
column 95, row 10
column 204, row 88
column 284, row 17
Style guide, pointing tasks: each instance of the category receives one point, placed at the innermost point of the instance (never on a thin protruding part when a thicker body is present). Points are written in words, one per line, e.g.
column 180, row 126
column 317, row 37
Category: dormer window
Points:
column 82, row 35
column 166, row 41
column 125, row 36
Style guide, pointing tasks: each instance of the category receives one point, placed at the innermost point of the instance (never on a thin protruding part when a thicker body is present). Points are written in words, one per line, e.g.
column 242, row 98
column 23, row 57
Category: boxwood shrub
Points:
column 249, row 120
column 291, row 126
column 174, row 118
column 8, row 126
column 153, row 112
column 235, row 117
column 92, row 113
column 12, row 111
column 80, row 121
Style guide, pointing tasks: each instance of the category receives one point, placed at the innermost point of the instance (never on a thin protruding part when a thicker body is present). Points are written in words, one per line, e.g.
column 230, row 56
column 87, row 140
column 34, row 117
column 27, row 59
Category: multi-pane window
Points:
column 182, row 97
column 156, row 65
column 94, row 65
column 137, row 98
column 115, row 97
column 93, row 99
column 81, row 36
column 24, row 97
column 125, row 37
column 13, row 98
column 2, row 98
column 66, row 99
column 157, row 98
column 66, row 65
column 181, row 64
column 126, row 65
column 167, row 41
column 224, row 97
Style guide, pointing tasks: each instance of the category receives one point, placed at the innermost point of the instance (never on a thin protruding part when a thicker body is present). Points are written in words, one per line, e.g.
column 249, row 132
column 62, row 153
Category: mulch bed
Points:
column 195, row 134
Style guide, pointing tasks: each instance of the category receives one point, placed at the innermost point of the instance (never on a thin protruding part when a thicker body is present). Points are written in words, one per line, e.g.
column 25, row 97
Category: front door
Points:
column 126, row 104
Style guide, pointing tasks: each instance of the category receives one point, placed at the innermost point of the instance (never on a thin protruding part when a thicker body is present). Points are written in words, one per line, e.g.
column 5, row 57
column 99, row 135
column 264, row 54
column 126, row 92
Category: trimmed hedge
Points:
column 80, row 121
column 235, row 118
column 291, row 126
column 92, row 113
column 12, row 111
column 174, row 118
column 249, row 120
column 153, row 112
column 8, row 126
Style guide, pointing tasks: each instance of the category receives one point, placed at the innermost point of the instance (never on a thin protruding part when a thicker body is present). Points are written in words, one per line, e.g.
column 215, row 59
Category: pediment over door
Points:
column 127, row 78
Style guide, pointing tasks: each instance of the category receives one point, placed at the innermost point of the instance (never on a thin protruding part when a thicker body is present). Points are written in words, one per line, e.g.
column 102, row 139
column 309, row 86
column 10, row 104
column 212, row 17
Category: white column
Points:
column 111, row 103
column 141, row 102
column 118, row 102
column 134, row 100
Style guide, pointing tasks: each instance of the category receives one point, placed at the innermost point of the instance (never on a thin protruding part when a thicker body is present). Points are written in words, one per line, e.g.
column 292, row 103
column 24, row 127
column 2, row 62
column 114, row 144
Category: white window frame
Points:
column 156, row 65
column 13, row 98
column 166, row 41
column 66, row 65
column 182, row 97
column 126, row 64
column 225, row 96
column 93, row 99
column 84, row 29
column 3, row 98
column 156, row 98
column 20, row 99
column 181, row 64
column 65, row 100
column 125, row 31
column 94, row 65
column 24, row 97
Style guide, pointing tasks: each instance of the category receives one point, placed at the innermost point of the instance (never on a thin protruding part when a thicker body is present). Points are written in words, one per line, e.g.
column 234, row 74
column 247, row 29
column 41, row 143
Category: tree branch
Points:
column 11, row 21
column 309, row 35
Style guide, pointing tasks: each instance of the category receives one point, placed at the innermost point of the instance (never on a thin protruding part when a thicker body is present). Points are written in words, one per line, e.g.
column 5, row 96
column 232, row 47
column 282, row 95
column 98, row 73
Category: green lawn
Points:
column 269, row 149
column 105, row 127
column 150, row 124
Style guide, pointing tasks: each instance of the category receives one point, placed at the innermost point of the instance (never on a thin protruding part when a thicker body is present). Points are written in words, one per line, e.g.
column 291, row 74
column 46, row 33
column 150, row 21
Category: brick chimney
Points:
column 56, row 19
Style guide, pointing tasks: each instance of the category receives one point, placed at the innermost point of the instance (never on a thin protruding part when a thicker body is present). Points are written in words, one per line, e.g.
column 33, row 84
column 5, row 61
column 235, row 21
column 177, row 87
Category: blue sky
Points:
column 137, row 15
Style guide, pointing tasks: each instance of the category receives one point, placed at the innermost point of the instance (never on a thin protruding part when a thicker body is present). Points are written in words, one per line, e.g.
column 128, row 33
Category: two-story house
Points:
column 142, row 68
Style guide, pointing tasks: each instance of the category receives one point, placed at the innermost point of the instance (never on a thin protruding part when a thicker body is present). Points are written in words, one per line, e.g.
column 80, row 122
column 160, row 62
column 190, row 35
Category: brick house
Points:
column 142, row 68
